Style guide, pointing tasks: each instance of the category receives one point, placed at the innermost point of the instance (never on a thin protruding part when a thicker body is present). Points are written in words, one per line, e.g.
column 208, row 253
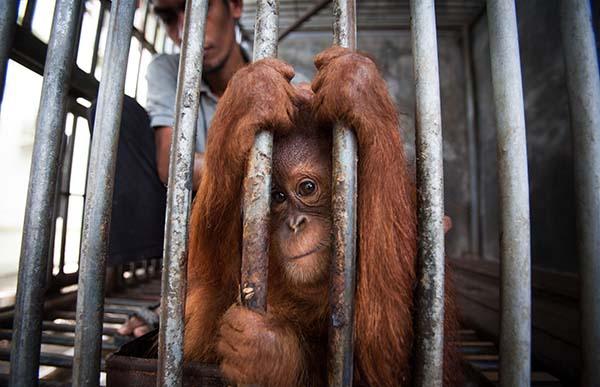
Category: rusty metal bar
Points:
column 8, row 20
column 257, row 184
column 343, row 202
column 98, row 201
column 429, row 321
column 315, row 9
column 584, row 96
column 179, row 197
column 515, row 252
column 40, row 197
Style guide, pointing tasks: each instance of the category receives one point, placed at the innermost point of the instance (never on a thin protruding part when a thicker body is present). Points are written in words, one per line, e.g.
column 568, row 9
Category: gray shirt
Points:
column 162, row 85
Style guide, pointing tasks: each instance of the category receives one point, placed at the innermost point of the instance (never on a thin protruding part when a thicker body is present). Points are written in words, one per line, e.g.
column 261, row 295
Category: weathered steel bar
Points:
column 515, row 260
column 343, row 203
column 315, row 9
column 40, row 197
column 8, row 20
column 429, row 321
column 98, row 201
column 179, row 197
column 584, row 100
column 257, row 184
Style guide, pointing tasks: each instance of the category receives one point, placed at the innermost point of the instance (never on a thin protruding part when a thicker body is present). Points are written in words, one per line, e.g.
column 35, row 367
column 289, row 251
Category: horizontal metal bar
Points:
column 139, row 35
column 40, row 197
column 306, row 16
column 130, row 302
column 583, row 83
column 515, row 251
column 65, row 341
column 55, row 327
column 429, row 322
column 179, row 197
column 68, row 315
column 29, row 51
column 49, row 359
column 4, row 380
column 98, row 201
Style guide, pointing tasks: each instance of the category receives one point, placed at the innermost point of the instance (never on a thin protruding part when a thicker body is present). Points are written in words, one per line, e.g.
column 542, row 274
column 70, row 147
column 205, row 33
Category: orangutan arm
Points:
column 350, row 90
column 258, row 97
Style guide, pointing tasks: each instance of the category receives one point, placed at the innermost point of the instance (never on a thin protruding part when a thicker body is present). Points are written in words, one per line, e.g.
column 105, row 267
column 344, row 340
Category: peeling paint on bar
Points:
column 344, row 213
column 257, row 184
column 179, row 197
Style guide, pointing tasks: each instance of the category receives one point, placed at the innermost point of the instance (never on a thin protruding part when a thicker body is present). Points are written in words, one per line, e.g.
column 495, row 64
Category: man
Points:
column 138, row 210
column 223, row 56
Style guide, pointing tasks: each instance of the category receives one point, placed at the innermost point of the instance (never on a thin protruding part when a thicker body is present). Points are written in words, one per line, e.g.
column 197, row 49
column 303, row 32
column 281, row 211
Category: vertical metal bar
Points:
column 471, row 142
column 179, row 197
column 65, row 184
column 101, row 16
column 156, row 26
column 55, row 206
column 584, row 96
column 8, row 20
column 142, row 39
column 164, row 42
column 98, row 201
column 29, row 12
column 25, row 344
column 429, row 349
column 344, row 180
column 257, row 184
column 515, row 323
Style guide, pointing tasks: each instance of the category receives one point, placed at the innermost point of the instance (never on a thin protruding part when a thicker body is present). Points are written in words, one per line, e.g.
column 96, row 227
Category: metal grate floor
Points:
column 480, row 356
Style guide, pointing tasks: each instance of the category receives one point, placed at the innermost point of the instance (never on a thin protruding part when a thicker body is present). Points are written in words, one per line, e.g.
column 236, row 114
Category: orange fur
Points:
column 347, row 89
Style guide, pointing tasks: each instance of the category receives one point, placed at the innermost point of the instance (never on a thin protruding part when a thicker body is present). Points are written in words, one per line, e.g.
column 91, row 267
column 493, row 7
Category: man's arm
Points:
column 163, row 136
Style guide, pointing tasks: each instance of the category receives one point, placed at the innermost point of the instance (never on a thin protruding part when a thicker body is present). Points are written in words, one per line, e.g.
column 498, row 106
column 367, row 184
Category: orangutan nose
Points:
column 297, row 222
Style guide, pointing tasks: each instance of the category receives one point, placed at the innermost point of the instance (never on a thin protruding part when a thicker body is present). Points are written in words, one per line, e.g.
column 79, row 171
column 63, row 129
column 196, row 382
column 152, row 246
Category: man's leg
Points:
column 139, row 197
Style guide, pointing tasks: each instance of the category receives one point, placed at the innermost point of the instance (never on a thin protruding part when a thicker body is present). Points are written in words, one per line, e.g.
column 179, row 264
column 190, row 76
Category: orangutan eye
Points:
column 278, row 196
column 307, row 187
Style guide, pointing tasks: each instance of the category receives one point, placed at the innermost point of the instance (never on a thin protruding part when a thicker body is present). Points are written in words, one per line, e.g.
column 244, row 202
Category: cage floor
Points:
column 480, row 355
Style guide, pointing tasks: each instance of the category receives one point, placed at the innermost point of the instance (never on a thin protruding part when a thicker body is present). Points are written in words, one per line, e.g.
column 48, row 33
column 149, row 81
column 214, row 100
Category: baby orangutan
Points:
column 287, row 345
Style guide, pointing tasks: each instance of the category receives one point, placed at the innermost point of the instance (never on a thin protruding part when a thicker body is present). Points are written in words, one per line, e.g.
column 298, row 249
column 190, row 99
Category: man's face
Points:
column 219, row 36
